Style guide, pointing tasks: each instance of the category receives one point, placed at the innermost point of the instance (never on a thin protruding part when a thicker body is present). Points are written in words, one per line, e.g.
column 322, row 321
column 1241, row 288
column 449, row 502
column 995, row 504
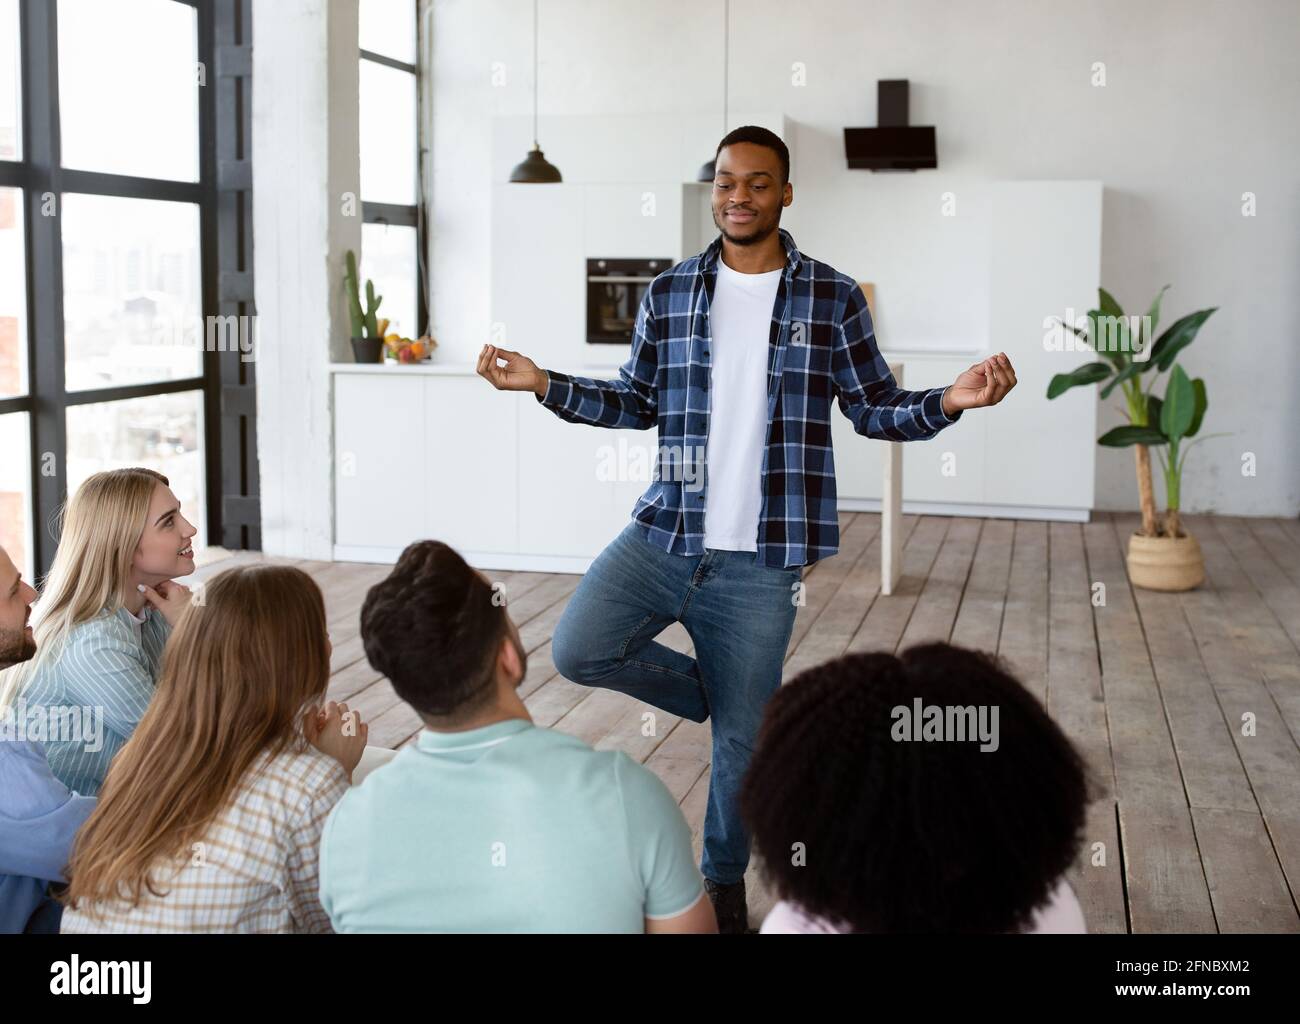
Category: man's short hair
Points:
column 759, row 137
column 433, row 628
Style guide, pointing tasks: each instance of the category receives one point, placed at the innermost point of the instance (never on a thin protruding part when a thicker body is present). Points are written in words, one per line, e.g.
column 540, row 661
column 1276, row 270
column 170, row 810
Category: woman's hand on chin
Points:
column 169, row 597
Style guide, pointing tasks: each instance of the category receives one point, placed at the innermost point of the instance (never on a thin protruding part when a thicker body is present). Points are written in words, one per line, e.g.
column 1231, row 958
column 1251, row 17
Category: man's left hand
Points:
column 985, row 383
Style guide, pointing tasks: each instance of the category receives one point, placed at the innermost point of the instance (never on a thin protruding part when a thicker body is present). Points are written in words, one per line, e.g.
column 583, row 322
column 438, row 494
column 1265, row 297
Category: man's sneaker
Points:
column 729, row 906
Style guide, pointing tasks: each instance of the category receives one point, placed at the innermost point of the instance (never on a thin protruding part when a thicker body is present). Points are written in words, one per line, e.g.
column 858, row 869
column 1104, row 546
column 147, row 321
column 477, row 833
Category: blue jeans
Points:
column 740, row 616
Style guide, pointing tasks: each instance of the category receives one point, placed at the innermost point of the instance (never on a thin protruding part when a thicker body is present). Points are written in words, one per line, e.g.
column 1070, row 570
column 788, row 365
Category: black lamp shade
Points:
column 535, row 169
column 707, row 171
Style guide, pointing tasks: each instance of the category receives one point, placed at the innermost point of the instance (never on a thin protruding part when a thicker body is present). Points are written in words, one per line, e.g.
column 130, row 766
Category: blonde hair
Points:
column 238, row 673
column 101, row 528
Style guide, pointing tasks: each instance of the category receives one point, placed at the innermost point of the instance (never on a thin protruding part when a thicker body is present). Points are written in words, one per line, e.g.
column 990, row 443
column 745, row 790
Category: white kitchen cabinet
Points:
column 946, row 468
column 1045, row 258
column 380, row 464
column 570, row 508
column 949, row 467
column 471, row 494
column 434, row 452
column 633, row 221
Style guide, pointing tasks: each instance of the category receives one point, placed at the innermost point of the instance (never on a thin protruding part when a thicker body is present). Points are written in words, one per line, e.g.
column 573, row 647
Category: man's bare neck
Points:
column 750, row 259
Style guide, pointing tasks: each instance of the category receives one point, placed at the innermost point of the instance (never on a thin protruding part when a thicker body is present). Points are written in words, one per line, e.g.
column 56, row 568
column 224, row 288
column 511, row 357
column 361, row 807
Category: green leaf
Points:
column 1122, row 437
column 1088, row 373
column 1198, row 389
column 1118, row 354
column 1112, row 337
column 1130, row 371
column 1080, row 334
column 1153, row 314
column 1153, row 409
column 1179, row 335
column 1180, row 406
column 1088, row 333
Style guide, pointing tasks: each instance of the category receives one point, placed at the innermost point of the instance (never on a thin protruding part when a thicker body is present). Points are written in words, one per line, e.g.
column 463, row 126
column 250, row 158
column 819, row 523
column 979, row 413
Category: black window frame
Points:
column 225, row 266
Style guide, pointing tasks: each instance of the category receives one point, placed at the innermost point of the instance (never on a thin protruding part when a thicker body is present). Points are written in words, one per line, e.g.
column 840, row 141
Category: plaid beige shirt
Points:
column 255, row 870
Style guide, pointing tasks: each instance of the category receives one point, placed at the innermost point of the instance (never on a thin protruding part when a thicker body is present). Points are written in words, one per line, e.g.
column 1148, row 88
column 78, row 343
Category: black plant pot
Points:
column 366, row 350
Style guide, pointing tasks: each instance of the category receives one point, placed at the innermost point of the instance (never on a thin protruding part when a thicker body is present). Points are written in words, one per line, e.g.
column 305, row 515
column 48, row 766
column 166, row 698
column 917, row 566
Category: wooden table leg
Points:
column 891, row 510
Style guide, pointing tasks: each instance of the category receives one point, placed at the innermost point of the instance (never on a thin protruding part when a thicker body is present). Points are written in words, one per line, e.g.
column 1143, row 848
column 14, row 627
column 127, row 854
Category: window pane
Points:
column 15, row 491
column 387, row 134
column 388, row 28
column 10, row 83
column 164, row 433
column 388, row 259
column 13, row 296
column 129, row 87
column 132, row 303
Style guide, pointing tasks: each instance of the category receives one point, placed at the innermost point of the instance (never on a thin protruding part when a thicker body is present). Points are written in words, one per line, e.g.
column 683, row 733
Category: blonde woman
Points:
column 105, row 612
column 210, row 818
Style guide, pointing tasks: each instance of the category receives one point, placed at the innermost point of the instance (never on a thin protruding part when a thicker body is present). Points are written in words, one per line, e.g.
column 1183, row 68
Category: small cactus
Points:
column 372, row 304
column 364, row 323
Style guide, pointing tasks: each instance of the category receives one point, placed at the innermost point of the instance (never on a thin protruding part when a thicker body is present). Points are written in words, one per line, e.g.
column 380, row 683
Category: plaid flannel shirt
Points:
column 821, row 348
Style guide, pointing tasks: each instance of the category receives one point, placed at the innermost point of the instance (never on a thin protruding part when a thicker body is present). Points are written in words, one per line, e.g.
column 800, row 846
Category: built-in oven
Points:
column 615, row 289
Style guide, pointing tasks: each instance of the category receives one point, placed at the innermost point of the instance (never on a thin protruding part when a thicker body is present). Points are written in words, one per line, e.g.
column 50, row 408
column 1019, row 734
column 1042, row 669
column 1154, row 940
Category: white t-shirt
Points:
column 740, row 316
column 1060, row 915
column 137, row 621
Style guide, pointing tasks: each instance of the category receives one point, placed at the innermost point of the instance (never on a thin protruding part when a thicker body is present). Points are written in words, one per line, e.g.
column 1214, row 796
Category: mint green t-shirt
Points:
column 507, row 828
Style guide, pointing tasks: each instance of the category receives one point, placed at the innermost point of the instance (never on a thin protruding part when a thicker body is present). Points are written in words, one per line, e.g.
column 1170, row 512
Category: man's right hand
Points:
column 519, row 374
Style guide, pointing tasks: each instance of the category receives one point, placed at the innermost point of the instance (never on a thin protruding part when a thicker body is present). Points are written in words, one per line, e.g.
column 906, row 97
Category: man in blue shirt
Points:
column 738, row 356
column 38, row 815
column 489, row 823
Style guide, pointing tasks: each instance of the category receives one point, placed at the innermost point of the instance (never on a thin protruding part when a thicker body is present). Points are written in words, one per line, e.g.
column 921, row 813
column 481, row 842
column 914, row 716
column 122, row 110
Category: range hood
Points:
column 893, row 145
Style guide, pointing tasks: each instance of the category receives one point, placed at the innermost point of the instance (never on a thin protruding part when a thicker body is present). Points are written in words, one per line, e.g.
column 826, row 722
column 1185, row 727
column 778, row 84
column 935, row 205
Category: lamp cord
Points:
column 534, row 74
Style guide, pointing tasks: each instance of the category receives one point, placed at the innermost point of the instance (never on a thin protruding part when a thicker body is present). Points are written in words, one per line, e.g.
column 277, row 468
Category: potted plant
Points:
column 1161, row 555
column 367, row 331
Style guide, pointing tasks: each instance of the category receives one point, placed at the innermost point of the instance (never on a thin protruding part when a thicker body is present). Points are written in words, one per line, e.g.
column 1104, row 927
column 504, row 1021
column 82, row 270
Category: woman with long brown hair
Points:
column 210, row 817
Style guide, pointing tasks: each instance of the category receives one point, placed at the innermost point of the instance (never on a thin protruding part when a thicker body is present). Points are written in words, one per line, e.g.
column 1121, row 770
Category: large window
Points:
column 390, row 181
column 109, row 207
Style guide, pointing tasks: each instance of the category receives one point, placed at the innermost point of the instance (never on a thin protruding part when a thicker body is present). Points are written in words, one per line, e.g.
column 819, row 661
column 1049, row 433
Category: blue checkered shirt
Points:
column 821, row 349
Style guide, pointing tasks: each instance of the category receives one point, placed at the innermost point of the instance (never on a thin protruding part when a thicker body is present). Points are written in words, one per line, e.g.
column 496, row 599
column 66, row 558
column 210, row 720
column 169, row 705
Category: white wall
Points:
column 305, row 146
column 1200, row 106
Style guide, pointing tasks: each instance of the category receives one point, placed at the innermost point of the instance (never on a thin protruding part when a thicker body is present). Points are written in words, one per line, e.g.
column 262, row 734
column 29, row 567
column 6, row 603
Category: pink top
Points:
column 1060, row 915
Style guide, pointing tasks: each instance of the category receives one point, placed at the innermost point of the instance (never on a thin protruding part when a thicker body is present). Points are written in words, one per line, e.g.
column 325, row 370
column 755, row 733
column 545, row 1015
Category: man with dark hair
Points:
column 489, row 823
column 738, row 356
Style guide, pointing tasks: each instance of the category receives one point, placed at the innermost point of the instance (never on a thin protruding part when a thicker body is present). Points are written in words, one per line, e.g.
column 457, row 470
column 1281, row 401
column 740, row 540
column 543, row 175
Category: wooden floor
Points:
column 1186, row 705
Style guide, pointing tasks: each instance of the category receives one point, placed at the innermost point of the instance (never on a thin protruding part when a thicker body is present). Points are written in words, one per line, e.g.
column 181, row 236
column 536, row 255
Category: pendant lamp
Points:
column 535, row 168
column 708, row 170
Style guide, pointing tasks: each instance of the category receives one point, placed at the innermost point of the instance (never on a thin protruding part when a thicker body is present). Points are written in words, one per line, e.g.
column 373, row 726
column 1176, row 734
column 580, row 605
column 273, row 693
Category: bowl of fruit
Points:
column 407, row 350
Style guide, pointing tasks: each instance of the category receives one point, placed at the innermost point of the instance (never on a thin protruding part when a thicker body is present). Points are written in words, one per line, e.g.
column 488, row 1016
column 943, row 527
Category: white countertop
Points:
column 434, row 368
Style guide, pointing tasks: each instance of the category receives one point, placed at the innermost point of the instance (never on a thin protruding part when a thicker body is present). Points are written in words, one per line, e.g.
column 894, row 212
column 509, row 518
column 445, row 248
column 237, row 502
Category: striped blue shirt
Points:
column 108, row 667
column 821, row 352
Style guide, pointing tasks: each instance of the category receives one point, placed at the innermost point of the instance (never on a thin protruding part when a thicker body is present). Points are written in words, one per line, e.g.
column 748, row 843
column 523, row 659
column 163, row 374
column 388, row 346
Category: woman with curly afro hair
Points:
column 866, row 822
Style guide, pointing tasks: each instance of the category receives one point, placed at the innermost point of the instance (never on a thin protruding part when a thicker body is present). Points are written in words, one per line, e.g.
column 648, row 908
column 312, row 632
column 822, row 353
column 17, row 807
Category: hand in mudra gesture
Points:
column 519, row 374
column 985, row 383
